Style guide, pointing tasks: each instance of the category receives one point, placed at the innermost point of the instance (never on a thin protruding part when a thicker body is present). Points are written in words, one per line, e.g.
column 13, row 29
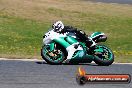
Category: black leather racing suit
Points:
column 79, row 33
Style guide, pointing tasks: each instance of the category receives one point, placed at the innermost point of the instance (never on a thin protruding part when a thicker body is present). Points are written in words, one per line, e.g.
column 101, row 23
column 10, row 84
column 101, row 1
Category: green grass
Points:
column 21, row 34
column 20, row 37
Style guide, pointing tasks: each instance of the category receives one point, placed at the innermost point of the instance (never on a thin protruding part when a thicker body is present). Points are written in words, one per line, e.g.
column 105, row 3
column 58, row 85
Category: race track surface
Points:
column 31, row 74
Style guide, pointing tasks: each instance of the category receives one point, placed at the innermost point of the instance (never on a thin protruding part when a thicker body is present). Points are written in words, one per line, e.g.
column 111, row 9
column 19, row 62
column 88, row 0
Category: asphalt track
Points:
column 113, row 1
column 35, row 74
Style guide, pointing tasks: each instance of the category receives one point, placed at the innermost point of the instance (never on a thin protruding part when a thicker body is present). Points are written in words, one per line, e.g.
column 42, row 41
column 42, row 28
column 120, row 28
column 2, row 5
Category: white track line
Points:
column 116, row 63
column 43, row 60
column 122, row 63
column 21, row 59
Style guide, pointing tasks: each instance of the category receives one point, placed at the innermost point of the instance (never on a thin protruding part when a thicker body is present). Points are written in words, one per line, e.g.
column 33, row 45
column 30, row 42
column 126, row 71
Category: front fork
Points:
column 52, row 46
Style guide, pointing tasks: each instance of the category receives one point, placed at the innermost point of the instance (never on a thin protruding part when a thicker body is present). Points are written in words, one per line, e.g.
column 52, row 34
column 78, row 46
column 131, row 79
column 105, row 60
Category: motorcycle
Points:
column 67, row 48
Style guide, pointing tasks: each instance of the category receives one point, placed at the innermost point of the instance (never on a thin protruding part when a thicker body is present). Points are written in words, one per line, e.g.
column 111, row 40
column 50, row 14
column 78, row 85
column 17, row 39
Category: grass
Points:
column 20, row 37
column 23, row 23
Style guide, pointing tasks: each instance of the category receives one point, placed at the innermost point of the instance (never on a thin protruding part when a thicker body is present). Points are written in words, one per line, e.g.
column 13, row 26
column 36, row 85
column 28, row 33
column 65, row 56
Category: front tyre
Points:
column 103, row 55
column 54, row 57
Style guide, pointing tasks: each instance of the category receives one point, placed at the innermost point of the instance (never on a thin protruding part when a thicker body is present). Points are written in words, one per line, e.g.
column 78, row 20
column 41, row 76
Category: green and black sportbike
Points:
column 67, row 48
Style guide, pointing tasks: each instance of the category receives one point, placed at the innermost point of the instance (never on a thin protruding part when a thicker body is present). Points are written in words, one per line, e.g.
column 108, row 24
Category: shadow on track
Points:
column 89, row 64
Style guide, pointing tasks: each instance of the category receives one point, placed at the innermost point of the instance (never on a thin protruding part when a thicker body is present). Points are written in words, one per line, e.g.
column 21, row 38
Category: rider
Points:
column 59, row 27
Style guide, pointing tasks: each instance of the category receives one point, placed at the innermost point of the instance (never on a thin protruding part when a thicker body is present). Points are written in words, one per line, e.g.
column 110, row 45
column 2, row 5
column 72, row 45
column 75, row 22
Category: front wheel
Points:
column 52, row 57
column 103, row 55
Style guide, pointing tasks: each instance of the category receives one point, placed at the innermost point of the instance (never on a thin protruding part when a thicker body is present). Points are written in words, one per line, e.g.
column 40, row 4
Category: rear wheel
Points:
column 52, row 57
column 103, row 55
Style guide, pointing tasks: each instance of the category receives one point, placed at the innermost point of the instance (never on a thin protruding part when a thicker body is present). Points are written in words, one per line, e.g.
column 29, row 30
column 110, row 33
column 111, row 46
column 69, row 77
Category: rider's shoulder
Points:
column 70, row 27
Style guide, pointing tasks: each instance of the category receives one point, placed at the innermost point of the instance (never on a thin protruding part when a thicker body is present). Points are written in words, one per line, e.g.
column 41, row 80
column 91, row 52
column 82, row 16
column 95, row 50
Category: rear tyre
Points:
column 55, row 57
column 103, row 55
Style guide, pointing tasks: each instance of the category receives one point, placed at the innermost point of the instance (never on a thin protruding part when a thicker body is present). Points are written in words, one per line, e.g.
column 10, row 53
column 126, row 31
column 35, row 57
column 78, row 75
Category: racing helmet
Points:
column 58, row 26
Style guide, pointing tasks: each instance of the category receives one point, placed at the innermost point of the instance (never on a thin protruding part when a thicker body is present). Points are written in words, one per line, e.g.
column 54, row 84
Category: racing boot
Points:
column 91, row 45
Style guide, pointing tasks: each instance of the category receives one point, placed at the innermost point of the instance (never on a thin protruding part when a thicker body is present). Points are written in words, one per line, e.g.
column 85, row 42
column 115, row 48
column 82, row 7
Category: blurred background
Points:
column 24, row 22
